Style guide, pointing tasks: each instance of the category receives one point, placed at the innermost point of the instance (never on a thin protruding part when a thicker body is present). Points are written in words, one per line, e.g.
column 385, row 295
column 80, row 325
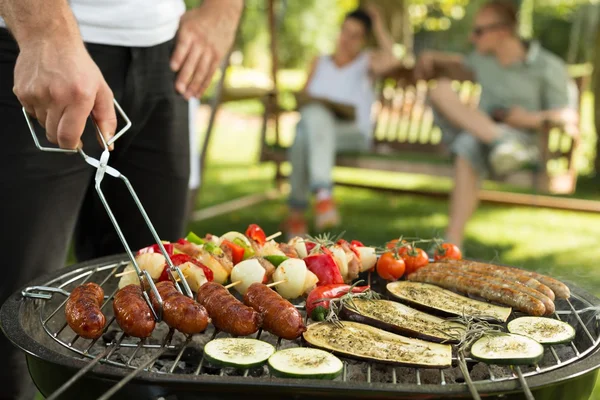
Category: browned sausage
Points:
column 83, row 311
column 482, row 288
column 226, row 312
column 179, row 311
column 561, row 290
column 280, row 317
column 132, row 312
column 503, row 272
column 455, row 270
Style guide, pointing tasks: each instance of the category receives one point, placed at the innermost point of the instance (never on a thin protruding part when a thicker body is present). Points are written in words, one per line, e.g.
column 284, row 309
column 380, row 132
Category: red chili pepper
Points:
column 179, row 259
column 237, row 252
column 156, row 249
column 317, row 308
column 256, row 233
column 325, row 268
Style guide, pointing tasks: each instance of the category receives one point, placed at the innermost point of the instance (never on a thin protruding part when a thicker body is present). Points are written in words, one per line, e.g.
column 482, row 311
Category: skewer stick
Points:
column 232, row 284
column 273, row 236
column 276, row 283
column 120, row 274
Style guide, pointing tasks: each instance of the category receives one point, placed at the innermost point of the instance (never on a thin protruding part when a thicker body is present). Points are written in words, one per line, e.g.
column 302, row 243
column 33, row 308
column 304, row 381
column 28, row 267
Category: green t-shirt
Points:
column 539, row 83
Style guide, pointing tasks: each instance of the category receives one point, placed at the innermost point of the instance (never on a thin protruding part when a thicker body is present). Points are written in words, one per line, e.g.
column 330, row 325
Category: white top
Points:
column 350, row 84
column 131, row 23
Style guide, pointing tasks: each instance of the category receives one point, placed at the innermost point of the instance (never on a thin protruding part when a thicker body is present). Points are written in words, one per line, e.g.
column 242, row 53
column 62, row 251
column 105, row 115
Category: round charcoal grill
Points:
column 170, row 365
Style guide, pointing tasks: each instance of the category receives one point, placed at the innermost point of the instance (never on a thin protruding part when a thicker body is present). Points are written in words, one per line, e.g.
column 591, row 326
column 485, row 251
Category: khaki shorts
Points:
column 463, row 144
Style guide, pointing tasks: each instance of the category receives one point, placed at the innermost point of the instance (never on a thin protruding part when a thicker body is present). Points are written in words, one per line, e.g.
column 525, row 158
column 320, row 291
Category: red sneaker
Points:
column 295, row 226
column 326, row 215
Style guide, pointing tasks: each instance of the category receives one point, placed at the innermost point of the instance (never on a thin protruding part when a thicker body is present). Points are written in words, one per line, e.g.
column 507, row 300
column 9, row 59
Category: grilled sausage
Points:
column 132, row 312
column 226, row 312
column 454, row 270
column 502, row 272
column 482, row 288
column 179, row 311
column 561, row 290
column 280, row 317
column 83, row 313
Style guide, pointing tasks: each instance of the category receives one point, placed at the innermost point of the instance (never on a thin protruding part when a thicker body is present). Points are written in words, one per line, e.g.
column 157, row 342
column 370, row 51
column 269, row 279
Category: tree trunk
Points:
column 596, row 80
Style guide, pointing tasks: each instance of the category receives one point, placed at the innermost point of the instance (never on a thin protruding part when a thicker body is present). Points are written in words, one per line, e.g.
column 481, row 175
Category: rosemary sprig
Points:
column 475, row 327
column 347, row 300
column 324, row 240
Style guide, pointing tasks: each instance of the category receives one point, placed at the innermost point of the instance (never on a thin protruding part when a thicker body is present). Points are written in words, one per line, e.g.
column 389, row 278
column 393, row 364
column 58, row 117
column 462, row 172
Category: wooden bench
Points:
column 405, row 139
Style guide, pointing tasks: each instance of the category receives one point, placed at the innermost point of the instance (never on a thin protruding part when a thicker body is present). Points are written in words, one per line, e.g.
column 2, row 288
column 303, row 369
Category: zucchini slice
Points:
column 397, row 318
column 435, row 299
column 238, row 353
column 305, row 363
column 542, row 330
column 507, row 349
column 364, row 342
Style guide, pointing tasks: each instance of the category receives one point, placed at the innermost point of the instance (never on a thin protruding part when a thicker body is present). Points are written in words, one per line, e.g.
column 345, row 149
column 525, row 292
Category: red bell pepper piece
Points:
column 317, row 308
column 183, row 241
column 352, row 246
column 156, row 249
column 256, row 233
column 237, row 252
column 325, row 268
column 309, row 246
column 356, row 243
column 179, row 259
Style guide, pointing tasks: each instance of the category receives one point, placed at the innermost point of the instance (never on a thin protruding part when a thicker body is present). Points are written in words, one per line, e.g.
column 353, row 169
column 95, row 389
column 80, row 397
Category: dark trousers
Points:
column 48, row 199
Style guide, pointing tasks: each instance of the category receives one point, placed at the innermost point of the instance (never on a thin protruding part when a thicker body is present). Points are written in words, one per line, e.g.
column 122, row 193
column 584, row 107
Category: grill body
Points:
column 53, row 360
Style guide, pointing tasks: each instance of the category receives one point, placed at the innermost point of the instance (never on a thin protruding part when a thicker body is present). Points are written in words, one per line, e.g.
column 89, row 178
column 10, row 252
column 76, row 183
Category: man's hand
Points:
column 425, row 66
column 566, row 118
column 59, row 84
column 205, row 36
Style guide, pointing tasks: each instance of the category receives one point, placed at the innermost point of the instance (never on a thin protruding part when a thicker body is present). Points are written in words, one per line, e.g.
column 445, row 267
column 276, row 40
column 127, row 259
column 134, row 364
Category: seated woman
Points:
column 345, row 77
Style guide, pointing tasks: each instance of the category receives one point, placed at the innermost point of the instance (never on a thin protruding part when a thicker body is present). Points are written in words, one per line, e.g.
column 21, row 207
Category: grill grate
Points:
column 171, row 352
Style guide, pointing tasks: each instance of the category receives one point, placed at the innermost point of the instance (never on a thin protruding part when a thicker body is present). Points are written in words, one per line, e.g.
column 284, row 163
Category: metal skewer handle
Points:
column 103, row 168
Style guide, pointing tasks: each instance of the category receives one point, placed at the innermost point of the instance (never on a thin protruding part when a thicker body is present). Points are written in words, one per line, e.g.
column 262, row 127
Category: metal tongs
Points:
column 102, row 168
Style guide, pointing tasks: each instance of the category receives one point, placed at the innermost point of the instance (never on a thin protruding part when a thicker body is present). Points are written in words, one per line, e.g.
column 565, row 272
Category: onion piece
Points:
column 151, row 262
column 293, row 274
column 340, row 258
column 248, row 272
column 194, row 275
column 368, row 258
column 310, row 282
column 231, row 236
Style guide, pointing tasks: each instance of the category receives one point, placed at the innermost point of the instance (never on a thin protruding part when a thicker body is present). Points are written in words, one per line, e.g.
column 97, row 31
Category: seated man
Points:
column 346, row 78
column 523, row 87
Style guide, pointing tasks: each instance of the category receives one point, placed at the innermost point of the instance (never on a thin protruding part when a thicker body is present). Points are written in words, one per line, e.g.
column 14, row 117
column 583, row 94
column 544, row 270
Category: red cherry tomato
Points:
column 389, row 267
column 447, row 251
column 415, row 259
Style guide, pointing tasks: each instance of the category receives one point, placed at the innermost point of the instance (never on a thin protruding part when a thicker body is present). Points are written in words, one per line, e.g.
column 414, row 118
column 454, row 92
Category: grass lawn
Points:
column 563, row 244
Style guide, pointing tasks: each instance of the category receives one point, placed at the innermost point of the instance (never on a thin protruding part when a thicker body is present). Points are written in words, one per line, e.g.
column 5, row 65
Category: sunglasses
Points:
column 480, row 30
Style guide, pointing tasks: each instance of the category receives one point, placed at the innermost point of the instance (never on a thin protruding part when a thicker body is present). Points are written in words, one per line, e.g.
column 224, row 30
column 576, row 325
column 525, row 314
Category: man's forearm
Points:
column 228, row 11
column 384, row 39
column 35, row 19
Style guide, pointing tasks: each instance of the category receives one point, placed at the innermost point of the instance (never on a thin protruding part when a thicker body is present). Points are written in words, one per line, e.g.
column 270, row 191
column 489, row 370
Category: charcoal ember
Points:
column 480, row 372
column 501, row 371
column 564, row 352
column 110, row 336
column 259, row 372
column 381, row 373
column 430, row 377
column 356, row 371
column 167, row 365
column 406, row 375
column 453, row 375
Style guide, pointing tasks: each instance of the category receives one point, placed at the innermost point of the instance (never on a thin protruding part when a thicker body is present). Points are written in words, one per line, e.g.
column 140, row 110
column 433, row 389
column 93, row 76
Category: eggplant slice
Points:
column 435, row 299
column 364, row 342
column 403, row 320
